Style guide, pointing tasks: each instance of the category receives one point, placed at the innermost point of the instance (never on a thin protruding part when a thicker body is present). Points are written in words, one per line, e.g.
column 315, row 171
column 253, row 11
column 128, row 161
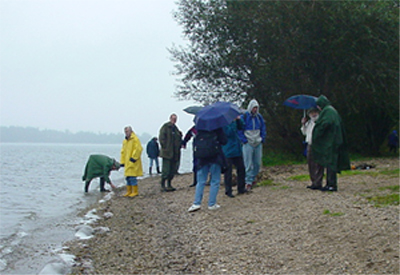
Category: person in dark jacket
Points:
column 191, row 133
column 393, row 142
column 153, row 151
column 170, row 138
column 99, row 166
column 329, row 143
column 233, row 153
column 213, row 166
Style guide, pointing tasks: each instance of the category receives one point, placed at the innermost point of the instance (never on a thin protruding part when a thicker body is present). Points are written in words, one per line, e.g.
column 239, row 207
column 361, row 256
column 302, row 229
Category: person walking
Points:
column 131, row 161
column 170, row 138
column 212, row 163
column 233, row 153
column 153, row 151
column 329, row 143
column 315, row 170
column 191, row 133
column 252, row 137
column 99, row 166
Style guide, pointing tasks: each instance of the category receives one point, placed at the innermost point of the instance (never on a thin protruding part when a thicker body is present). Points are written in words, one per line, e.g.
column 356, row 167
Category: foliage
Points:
column 270, row 50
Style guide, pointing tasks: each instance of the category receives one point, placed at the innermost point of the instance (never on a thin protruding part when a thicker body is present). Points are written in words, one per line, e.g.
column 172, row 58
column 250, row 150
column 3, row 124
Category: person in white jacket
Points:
column 315, row 170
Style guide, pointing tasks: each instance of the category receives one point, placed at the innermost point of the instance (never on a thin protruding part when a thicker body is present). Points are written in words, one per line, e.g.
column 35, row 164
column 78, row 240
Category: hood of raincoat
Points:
column 323, row 101
column 253, row 103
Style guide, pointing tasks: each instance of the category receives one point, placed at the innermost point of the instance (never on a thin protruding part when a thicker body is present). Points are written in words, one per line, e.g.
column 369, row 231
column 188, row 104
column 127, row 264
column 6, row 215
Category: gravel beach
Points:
column 280, row 227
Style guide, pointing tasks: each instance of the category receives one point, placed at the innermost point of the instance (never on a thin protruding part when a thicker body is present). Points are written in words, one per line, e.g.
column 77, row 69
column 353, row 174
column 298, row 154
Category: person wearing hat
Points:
column 99, row 166
column 329, row 143
column 131, row 161
column 315, row 170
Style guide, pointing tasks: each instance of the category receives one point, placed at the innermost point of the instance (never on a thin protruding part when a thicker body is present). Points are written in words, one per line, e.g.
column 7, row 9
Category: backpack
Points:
column 206, row 144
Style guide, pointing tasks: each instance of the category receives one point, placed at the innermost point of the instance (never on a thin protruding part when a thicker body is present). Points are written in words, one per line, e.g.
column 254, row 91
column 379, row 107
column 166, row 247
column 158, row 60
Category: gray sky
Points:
column 92, row 65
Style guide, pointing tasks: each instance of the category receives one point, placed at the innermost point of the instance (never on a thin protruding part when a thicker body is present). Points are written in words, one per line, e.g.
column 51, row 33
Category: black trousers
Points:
column 331, row 177
column 241, row 172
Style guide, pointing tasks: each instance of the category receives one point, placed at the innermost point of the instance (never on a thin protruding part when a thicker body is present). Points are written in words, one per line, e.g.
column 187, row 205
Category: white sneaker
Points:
column 194, row 207
column 214, row 207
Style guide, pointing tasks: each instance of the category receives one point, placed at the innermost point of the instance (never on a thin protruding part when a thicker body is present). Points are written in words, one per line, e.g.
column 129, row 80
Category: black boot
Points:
column 87, row 186
column 163, row 189
column 149, row 170
column 102, row 183
column 158, row 170
column 169, row 186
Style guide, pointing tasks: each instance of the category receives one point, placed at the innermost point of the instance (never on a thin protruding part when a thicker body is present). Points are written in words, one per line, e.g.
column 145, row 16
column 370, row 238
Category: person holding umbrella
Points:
column 315, row 170
column 252, row 137
column 329, row 143
column 209, row 123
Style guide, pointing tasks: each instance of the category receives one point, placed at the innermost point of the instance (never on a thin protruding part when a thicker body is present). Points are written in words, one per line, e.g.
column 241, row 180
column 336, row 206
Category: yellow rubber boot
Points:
column 128, row 190
column 135, row 191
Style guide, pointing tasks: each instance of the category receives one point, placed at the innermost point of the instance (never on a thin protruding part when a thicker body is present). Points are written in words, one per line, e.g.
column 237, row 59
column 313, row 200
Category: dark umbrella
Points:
column 193, row 109
column 301, row 102
column 216, row 115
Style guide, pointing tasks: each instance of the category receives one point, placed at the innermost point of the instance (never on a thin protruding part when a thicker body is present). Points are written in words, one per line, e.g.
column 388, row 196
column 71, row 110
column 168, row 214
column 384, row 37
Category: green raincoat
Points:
column 170, row 140
column 98, row 166
column 329, row 143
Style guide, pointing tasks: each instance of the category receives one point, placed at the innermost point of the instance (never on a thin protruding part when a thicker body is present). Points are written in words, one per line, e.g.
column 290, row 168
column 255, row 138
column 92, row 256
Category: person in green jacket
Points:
column 170, row 138
column 99, row 166
column 329, row 143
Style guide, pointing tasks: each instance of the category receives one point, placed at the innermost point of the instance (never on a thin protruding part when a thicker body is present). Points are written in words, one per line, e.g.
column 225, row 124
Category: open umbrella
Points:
column 216, row 115
column 301, row 102
column 193, row 109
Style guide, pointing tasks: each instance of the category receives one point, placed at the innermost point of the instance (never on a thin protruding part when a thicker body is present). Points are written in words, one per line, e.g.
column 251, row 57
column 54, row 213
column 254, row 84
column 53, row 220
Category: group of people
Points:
column 238, row 144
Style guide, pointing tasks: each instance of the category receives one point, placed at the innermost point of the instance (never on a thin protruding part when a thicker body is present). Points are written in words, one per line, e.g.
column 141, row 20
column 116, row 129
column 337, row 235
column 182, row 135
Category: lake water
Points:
column 41, row 192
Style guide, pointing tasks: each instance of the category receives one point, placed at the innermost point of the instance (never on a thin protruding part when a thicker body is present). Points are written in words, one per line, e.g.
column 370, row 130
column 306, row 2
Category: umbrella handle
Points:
column 304, row 113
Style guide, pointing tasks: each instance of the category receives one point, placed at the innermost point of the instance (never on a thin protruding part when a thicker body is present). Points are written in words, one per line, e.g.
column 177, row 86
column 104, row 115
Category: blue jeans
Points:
column 252, row 161
column 151, row 162
column 131, row 181
column 202, row 175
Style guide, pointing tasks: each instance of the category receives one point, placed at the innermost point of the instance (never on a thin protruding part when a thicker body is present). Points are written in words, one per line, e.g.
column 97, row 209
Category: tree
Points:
column 270, row 50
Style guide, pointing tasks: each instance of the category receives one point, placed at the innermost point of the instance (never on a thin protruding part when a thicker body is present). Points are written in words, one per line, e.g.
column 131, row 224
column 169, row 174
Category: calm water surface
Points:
column 41, row 192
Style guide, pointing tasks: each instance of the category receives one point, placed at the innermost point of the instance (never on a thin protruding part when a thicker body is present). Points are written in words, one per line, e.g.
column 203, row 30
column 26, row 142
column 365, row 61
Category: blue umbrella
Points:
column 193, row 109
column 301, row 102
column 216, row 115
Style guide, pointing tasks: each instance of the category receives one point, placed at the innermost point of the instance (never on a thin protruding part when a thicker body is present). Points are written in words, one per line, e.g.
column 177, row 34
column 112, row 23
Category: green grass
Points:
column 271, row 159
column 393, row 188
column 267, row 183
column 385, row 200
column 336, row 214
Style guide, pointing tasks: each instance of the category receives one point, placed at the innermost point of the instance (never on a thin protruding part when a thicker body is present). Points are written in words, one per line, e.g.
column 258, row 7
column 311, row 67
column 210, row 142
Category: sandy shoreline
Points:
column 280, row 228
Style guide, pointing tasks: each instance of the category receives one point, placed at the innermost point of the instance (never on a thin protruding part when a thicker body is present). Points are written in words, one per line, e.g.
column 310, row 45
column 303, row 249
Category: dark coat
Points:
column 152, row 149
column 220, row 158
column 329, row 142
column 170, row 140
column 98, row 166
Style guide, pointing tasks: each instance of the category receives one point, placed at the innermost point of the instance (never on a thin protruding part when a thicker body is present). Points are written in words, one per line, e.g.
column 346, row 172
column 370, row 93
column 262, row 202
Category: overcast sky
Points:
column 92, row 65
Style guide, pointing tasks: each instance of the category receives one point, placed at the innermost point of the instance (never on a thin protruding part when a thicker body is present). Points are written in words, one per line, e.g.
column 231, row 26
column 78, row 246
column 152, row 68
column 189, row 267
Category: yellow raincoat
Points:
column 132, row 148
